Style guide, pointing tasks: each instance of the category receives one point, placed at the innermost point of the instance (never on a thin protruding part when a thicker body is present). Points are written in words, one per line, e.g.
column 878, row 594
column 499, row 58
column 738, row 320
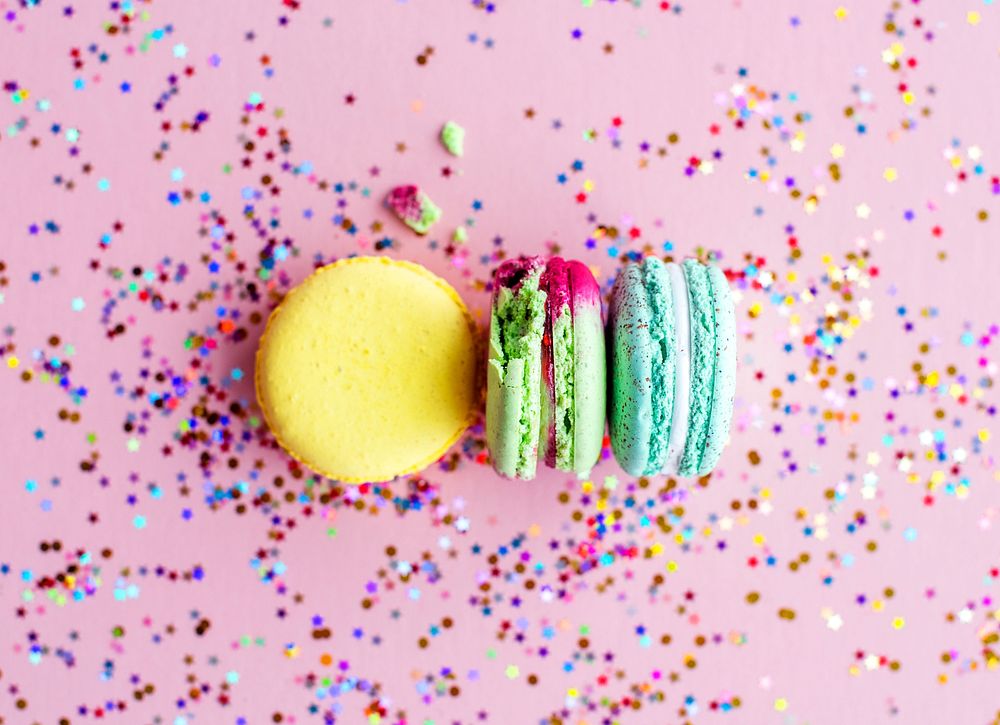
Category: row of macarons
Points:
column 661, row 373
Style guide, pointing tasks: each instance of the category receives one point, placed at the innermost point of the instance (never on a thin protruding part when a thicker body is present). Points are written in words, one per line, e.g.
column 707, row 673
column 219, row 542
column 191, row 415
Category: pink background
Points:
column 859, row 493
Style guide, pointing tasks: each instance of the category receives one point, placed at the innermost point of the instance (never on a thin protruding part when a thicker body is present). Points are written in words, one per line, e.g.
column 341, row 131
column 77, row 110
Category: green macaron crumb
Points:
column 430, row 213
column 453, row 138
column 657, row 284
column 702, row 312
column 565, row 367
column 460, row 235
column 518, row 326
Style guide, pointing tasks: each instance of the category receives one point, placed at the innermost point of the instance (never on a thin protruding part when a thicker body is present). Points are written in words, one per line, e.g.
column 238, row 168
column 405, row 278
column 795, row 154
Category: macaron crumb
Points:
column 413, row 207
column 453, row 138
column 460, row 235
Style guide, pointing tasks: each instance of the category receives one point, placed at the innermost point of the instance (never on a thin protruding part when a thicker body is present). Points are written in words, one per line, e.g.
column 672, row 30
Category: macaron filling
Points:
column 516, row 331
column 702, row 316
column 662, row 337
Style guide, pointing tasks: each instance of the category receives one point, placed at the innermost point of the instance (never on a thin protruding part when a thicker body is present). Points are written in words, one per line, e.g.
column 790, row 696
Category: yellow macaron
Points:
column 366, row 371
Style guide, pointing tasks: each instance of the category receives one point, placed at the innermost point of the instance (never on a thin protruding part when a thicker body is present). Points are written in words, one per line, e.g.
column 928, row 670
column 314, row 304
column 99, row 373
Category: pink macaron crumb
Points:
column 405, row 201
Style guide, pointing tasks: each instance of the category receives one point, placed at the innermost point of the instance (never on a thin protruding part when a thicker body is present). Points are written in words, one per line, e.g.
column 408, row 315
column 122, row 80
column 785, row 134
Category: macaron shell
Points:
column 682, row 368
column 702, row 318
column 514, row 368
column 590, row 359
column 366, row 370
column 639, row 391
column 630, row 413
column 725, row 371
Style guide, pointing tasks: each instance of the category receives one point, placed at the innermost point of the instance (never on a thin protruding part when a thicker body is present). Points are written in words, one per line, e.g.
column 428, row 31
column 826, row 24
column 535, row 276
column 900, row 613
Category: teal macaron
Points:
column 672, row 339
